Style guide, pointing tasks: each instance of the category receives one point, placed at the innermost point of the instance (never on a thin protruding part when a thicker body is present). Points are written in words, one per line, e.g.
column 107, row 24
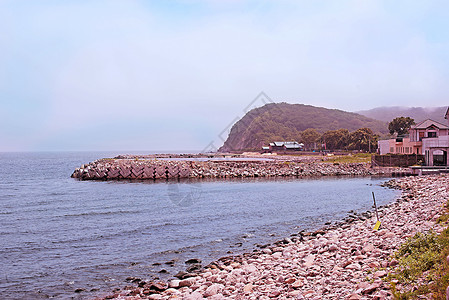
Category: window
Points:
column 391, row 149
column 432, row 134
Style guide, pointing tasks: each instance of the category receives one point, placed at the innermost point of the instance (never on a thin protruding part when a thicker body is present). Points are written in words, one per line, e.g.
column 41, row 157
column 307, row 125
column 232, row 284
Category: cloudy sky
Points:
column 172, row 75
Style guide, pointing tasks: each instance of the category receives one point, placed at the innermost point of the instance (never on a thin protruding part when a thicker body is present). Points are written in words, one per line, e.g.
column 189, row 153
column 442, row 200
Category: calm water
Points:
column 58, row 234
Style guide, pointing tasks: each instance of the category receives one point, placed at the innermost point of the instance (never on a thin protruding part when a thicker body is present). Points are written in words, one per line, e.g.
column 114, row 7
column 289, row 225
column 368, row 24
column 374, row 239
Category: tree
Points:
column 309, row 137
column 335, row 139
column 363, row 139
column 400, row 125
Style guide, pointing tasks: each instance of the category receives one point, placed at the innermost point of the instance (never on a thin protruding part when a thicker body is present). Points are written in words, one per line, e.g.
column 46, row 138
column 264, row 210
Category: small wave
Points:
column 103, row 213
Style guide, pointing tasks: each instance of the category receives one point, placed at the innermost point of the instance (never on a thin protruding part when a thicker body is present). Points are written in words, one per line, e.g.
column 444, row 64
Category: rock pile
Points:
column 144, row 169
column 347, row 261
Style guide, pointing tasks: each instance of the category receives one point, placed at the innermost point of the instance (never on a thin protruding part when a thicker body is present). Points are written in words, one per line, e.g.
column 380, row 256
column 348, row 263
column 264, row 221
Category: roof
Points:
column 292, row 146
column 428, row 123
column 447, row 113
column 279, row 144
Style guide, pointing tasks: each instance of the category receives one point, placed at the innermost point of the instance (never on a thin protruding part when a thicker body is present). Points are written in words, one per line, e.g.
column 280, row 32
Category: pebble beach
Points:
column 348, row 260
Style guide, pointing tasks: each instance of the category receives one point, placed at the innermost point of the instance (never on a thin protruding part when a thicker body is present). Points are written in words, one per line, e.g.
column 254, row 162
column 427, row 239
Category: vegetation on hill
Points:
column 303, row 123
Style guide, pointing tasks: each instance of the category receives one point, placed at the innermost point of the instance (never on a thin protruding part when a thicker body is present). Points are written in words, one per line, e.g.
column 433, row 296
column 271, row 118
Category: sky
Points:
column 175, row 75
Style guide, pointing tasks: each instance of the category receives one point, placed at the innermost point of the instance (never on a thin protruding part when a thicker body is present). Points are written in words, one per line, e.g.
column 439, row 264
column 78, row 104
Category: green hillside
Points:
column 283, row 121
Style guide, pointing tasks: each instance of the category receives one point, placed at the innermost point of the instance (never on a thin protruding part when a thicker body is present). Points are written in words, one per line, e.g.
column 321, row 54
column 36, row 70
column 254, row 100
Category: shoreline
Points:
column 343, row 261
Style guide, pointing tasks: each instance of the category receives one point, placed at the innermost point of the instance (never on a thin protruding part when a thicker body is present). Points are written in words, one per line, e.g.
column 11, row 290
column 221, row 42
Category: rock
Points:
column 248, row 288
column 297, row 284
column 158, row 286
column 354, row 266
column 290, row 280
column 267, row 251
column 193, row 268
column 155, row 297
column 193, row 261
column 368, row 248
column 171, row 263
column 309, row 261
column 213, row 290
column 333, row 248
column 187, row 282
column 174, row 283
column 132, row 279
column 249, row 269
column 389, row 235
column 379, row 274
column 171, row 291
column 371, row 288
column 184, row 275
column 194, row 296
column 353, row 297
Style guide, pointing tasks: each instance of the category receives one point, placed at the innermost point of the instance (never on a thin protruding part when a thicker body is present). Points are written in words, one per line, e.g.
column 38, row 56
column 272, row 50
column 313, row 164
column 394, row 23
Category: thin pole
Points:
column 375, row 207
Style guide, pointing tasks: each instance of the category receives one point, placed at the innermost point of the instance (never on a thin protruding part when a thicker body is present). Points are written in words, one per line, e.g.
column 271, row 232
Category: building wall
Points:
column 440, row 142
column 383, row 146
column 404, row 147
column 421, row 134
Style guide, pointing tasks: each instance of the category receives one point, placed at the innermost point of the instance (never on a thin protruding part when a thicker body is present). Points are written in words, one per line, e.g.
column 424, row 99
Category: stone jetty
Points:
column 346, row 261
column 152, row 168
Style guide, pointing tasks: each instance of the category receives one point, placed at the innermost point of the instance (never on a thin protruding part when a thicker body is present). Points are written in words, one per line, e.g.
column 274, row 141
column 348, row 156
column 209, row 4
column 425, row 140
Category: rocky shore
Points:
column 149, row 168
column 346, row 261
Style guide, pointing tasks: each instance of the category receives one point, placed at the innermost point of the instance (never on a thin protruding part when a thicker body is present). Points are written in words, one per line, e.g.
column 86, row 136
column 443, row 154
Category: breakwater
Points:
column 141, row 168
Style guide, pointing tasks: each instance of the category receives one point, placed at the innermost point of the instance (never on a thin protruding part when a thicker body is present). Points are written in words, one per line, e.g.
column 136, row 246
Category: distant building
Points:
column 429, row 138
column 283, row 146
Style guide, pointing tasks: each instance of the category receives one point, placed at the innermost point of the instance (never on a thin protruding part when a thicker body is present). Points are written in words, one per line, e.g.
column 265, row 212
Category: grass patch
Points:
column 350, row 158
column 422, row 268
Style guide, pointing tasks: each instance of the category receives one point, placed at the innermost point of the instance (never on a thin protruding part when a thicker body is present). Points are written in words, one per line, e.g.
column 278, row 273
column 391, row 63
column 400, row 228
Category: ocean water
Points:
column 59, row 235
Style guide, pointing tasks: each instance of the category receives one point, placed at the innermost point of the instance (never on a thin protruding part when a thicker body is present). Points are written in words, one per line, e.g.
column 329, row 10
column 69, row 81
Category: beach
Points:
column 346, row 261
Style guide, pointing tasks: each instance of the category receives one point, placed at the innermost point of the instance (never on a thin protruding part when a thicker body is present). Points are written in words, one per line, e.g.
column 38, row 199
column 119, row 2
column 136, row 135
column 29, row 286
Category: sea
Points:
column 63, row 238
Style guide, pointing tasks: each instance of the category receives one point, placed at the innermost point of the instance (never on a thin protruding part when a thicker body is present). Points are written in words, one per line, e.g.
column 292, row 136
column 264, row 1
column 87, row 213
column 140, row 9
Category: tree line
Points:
column 362, row 139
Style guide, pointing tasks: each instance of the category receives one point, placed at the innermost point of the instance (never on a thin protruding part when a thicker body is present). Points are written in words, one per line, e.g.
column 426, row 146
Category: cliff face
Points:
column 283, row 121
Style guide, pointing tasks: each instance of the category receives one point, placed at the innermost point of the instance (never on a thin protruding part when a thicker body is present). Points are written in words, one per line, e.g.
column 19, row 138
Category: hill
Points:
column 283, row 121
column 419, row 114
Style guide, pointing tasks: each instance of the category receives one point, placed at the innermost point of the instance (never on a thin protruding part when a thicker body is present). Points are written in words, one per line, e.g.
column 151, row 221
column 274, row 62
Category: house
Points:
column 284, row 146
column 294, row 146
column 428, row 138
column 277, row 146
